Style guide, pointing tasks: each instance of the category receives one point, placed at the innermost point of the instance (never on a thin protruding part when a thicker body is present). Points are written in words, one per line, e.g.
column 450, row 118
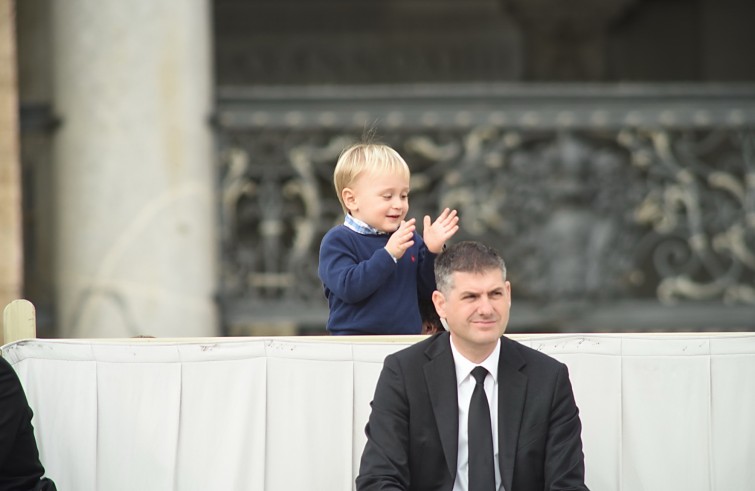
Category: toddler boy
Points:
column 375, row 268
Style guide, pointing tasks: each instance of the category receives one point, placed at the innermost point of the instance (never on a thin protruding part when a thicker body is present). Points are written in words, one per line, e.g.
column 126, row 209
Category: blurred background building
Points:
column 176, row 156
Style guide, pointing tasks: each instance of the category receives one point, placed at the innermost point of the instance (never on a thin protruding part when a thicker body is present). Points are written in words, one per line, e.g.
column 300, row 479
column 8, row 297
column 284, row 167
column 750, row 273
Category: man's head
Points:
column 472, row 296
column 372, row 184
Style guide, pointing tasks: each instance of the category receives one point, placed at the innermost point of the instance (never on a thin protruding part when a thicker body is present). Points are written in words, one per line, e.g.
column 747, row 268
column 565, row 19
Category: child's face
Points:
column 379, row 200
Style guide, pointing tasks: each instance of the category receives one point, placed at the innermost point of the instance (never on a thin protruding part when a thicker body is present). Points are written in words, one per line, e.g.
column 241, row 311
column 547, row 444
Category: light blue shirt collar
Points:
column 360, row 227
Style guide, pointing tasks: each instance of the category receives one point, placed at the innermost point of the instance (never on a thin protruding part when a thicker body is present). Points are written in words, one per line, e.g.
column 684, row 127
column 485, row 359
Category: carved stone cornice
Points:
column 566, row 41
column 545, row 106
column 617, row 207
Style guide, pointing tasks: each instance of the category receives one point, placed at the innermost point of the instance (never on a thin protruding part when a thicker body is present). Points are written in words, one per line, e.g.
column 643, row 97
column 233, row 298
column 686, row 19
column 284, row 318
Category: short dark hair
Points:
column 465, row 257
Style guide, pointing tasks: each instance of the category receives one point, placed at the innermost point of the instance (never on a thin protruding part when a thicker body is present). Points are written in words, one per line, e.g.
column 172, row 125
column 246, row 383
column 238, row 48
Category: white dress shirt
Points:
column 465, row 384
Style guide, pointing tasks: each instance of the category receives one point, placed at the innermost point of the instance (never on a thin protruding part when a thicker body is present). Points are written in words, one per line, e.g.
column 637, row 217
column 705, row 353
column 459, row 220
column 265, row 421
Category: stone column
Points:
column 37, row 128
column 134, row 173
column 11, row 250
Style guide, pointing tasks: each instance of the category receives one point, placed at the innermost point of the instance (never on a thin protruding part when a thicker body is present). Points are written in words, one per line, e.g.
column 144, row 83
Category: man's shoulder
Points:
column 420, row 349
column 529, row 355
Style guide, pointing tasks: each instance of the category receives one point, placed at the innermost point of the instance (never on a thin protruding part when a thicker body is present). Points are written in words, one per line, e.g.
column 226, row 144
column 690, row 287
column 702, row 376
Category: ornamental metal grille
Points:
column 615, row 208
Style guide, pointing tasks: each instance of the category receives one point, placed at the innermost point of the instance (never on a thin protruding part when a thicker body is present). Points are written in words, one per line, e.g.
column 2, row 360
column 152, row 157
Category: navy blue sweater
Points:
column 369, row 293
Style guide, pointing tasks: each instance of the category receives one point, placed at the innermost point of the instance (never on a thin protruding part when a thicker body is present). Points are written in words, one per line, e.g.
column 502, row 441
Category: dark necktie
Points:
column 481, row 468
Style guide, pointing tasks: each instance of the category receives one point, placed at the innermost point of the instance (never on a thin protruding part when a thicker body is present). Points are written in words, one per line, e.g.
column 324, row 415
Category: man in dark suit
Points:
column 422, row 432
column 20, row 468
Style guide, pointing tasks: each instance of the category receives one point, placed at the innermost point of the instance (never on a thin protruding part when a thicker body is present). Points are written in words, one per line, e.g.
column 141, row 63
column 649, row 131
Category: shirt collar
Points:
column 360, row 227
column 464, row 366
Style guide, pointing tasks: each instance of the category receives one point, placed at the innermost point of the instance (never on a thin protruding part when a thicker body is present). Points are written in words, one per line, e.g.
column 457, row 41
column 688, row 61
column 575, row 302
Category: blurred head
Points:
column 372, row 184
column 473, row 297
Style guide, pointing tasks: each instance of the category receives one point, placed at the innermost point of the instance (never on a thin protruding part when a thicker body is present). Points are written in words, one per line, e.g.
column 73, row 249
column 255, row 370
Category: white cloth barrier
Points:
column 659, row 412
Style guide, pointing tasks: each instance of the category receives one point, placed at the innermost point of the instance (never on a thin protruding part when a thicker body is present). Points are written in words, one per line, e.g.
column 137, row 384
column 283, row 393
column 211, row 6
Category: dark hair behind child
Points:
column 430, row 319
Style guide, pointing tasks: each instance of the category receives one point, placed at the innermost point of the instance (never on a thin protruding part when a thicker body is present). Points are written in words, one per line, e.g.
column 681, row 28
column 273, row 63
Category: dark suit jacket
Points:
column 412, row 433
column 20, row 468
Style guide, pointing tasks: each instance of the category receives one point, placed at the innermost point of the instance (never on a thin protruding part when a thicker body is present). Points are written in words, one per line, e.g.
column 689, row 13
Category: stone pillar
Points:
column 37, row 128
column 134, row 173
column 11, row 242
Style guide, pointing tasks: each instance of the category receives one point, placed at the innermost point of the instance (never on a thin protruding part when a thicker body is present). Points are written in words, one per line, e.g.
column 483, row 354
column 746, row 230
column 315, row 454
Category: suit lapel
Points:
column 512, row 389
column 440, row 376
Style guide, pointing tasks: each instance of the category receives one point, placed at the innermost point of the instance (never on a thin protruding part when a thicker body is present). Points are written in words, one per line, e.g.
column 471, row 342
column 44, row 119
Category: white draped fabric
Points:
column 659, row 412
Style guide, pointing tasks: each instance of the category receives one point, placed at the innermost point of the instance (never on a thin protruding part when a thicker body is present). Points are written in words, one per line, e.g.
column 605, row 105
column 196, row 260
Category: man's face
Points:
column 379, row 200
column 476, row 309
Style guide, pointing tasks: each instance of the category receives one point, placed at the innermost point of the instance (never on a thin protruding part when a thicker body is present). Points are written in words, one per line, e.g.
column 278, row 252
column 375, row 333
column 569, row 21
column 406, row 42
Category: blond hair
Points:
column 373, row 158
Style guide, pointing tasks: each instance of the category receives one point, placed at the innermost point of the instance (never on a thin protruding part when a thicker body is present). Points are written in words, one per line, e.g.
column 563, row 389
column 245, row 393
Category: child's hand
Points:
column 401, row 239
column 442, row 229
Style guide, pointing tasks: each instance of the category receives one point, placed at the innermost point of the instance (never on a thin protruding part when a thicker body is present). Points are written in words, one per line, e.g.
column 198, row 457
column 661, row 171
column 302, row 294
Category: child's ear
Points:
column 349, row 199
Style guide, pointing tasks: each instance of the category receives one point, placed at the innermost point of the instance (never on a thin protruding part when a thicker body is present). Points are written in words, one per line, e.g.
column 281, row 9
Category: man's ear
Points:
column 440, row 303
column 349, row 199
